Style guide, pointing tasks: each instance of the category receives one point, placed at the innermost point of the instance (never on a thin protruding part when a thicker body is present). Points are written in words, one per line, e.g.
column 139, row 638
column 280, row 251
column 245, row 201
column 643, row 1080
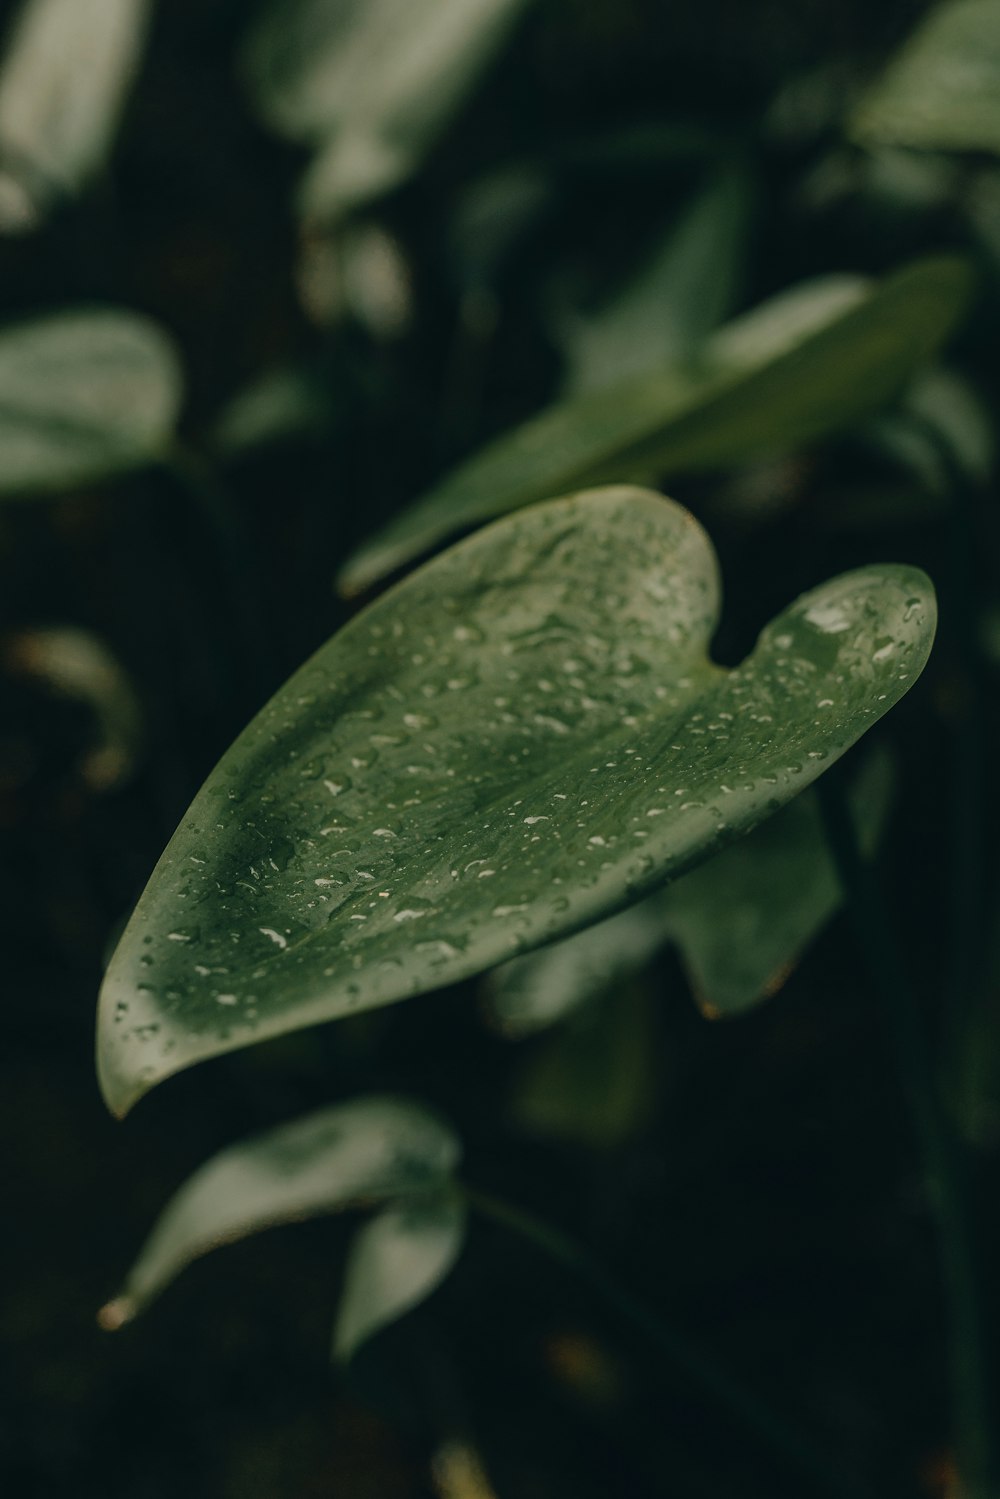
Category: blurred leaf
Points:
column 671, row 304
column 533, row 991
column 63, row 82
column 83, row 395
column 283, row 403
column 942, row 426
column 942, row 90
column 395, row 1262
column 524, row 736
column 741, row 920
column 594, row 1081
column 812, row 361
column 75, row 664
column 346, row 1156
column 494, row 215
column 372, row 82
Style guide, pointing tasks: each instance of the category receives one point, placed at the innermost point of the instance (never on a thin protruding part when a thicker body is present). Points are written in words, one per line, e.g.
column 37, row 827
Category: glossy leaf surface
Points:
column 63, row 82
column 524, row 736
column 83, row 395
column 395, row 1262
column 942, row 90
column 810, row 362
column 367, row 1151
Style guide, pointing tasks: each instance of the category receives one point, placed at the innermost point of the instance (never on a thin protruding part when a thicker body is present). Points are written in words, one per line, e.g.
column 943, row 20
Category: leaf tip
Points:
column 114, row 1314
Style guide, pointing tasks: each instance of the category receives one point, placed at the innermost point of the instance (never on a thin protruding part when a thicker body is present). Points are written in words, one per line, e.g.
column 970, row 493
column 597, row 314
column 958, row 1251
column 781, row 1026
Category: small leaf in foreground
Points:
column 83, row 395
column 369, row 1150
column 524, row 736
column 810, row 362
column 395, row 1262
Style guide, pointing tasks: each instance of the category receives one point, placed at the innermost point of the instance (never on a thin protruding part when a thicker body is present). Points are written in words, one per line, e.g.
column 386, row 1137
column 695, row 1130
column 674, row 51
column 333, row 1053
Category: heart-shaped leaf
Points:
column 813, row 361
column 942, row 90
column 524, row 736
column 83, row 395
column 371, row 1150
column 62, row 87
column 396, row 1261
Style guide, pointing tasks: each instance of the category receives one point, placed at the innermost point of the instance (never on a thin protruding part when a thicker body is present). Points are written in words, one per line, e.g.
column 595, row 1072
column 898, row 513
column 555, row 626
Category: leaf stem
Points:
column 743, row 1405
column 943, row 1157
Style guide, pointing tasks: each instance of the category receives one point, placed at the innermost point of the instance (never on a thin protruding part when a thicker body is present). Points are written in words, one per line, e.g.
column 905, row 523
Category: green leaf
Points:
column 943, row 425
column 594, row 1081
column 62, row 86
column 83, row 395
column 741, row 921
column 371, row 82
column 812, row 361
column 395, row 1262
column 676, row 297
column 347, row 1156
column 531, row 992
column 942, row 90
column 287, row 402
column 524, row 736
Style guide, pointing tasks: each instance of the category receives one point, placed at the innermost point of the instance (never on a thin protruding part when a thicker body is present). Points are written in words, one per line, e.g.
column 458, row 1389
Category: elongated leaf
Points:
column 522, row 737
column 813, row 361
column 675, row 298
column 942, row 90
column 62, row 85
column 83, row 395
column 367, row 1151
column 371, row 81
column 396, row 1261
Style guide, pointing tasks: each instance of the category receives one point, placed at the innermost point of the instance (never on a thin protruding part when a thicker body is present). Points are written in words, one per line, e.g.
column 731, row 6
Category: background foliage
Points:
column 347, row 292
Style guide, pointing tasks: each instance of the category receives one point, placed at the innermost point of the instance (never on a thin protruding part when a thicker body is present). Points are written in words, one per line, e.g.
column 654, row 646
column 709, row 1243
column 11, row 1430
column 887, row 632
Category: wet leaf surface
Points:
column 496, row 753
